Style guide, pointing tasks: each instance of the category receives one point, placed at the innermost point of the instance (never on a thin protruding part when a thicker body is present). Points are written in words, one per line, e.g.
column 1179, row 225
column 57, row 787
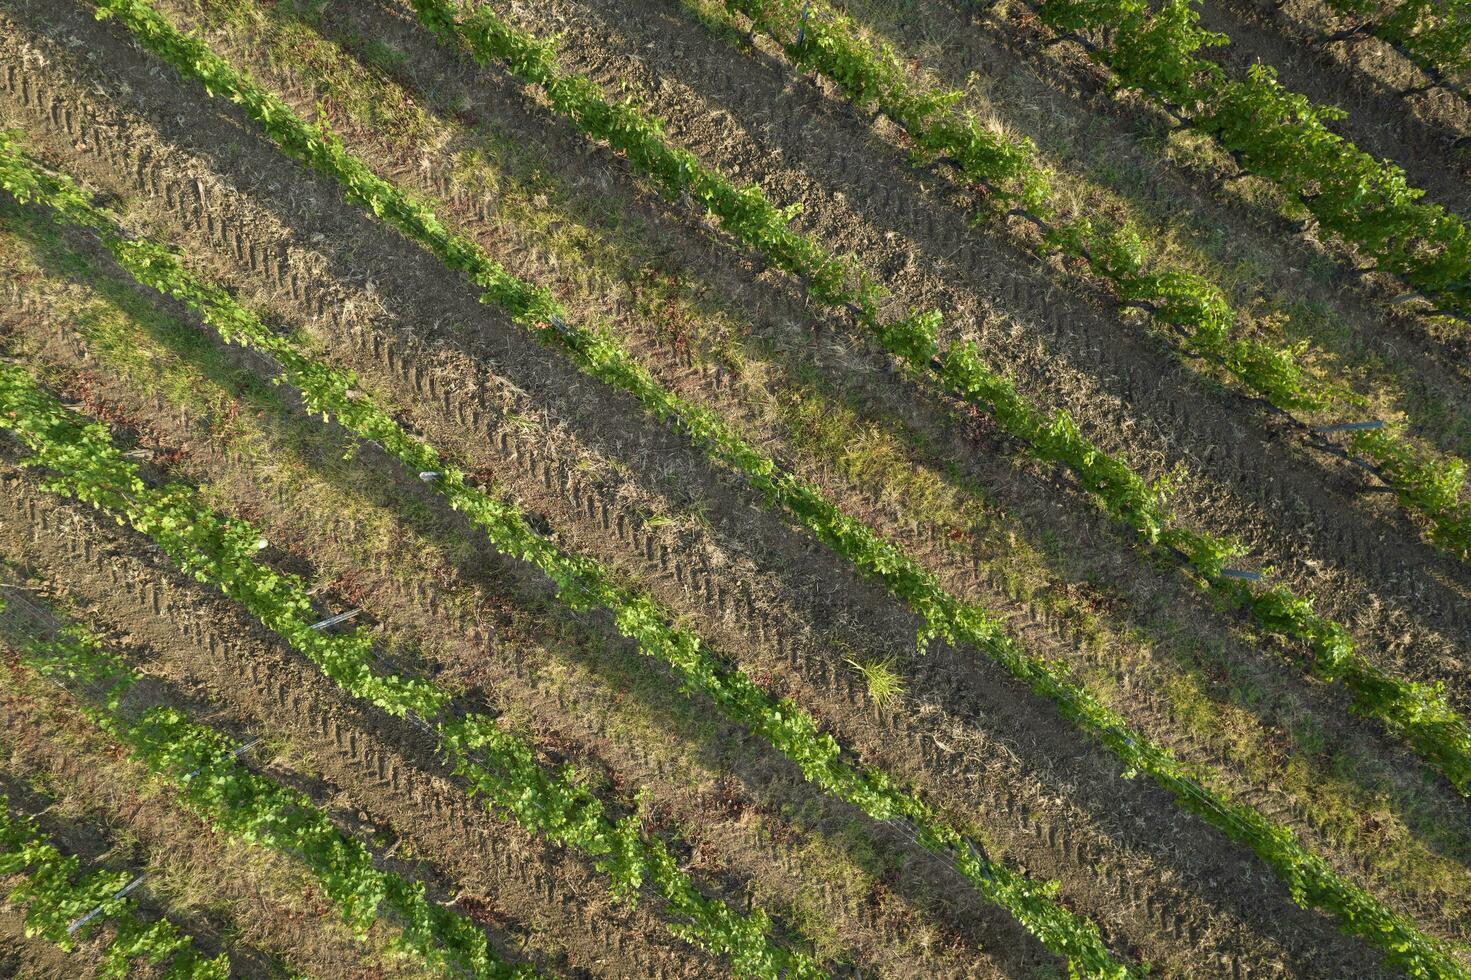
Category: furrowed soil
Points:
column 1377, row 122
column 33, row 953
column 1163, row 887
column 1364, row 75
column 388, row 777
column 255, row 479
column 22, row 956
column 1162, row 814
column 1129, row 166
column 1234, row 473
column 683, row 378
column 1026, row 73
column 105, row 845
column 707, row 385
column 277, row 916
column 480, row 643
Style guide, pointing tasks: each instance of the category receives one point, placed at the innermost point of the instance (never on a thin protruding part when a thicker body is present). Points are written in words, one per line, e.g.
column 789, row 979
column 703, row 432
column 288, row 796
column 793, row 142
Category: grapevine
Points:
column 583, row 584
column 1280, row 135
column 1417, row 712
column 55, row 899
column 914, row 334
column 91, row 468
column 1190, row 307
column 497, row 765
column 213, row 783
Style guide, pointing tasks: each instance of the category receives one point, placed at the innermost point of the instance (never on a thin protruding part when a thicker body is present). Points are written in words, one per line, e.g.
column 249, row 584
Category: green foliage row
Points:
column 874, row 76
column 1194, row 310
column 1280, row 135
column 1434, row 34
column 583, row 583
column 216, row 786
column 85, row 464
column 54, row 898
column 1420, row 713
column 567, row 815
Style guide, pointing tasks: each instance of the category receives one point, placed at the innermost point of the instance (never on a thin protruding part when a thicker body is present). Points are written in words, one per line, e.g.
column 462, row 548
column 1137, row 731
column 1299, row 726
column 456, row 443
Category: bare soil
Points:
column 391, row 776
column 1164, row 888
column 275, row 915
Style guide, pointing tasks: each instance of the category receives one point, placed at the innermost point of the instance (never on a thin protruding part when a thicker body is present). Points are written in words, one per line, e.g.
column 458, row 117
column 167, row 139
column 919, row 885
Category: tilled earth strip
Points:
column 383, row 766
column 802, row 575
column 1099, row 135
column 1296, row 510
column 272, row 906
column 402, row 577
column 1083, row 82
column 830, row 682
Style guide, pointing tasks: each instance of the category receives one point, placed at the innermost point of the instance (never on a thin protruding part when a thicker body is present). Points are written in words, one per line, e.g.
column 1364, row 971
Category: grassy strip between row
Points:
column 495, row 764
column 1419, row 713
column 215, row 785
column 54, row 899
column 1309, row 878
column 1278, row 134
column 1194, row 308
column 582, row 584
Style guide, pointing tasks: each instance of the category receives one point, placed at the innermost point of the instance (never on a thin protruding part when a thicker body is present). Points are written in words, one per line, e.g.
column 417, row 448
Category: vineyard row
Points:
column 1280, row 135
column 495, row 764
column 56, row 899
column 1192, row 308
column 1420, row 713
column 583, row 584
column 1417, row 712
column 526, row 303
column 205, row 771
column 639, row 618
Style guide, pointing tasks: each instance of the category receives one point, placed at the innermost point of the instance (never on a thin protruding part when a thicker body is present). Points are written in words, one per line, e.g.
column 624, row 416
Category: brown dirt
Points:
column 33, row 953
column 1364, row 75
column 1390, row 636
column 35, row 959
column 1088, row 850
column 1046, row 838
column 985, row 578
column 1261, row 268
column 1377, row 121
column 1078, row 112
column 1296, row 511
column 271, row 907
column 1045, row 827
column 480, row 641
column 387, row 770
column 416, row 59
